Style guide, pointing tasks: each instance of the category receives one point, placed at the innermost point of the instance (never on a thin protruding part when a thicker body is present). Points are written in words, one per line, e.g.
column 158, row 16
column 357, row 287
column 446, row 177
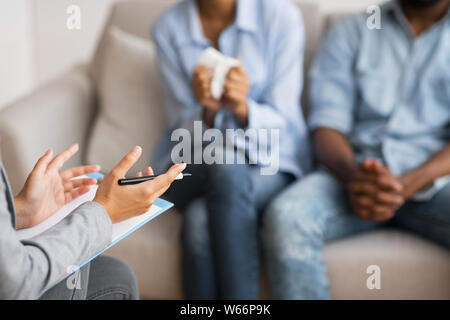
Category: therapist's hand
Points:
column 124, row 202
column 47, row 189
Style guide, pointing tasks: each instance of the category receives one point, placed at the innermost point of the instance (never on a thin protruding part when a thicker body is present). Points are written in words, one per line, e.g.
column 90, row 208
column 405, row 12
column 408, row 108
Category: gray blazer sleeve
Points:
column 28, row 267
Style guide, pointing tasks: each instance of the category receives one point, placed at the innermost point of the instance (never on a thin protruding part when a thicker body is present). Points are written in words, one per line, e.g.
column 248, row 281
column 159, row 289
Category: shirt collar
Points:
column 194, row 24
column 247, row 15
column 394, row 7
column 448, row 13
column 246, row 19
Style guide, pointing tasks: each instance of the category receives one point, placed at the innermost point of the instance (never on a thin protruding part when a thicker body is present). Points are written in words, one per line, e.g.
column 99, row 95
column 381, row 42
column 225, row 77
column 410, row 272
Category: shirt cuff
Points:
column 329, row 120
column 97, row 210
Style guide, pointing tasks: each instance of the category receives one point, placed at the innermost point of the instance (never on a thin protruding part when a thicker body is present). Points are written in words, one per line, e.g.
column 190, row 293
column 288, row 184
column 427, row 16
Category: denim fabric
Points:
column 104, row 278
column 387, row 90
column 268, row 37
column 315, row 211
column 220, row 238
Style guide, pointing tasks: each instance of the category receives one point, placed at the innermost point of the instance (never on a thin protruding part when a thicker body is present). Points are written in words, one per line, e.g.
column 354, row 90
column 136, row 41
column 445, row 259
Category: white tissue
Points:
column 221, row 65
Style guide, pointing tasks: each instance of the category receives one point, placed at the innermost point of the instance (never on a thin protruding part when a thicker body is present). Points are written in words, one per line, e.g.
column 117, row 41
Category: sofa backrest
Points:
column 135, row 17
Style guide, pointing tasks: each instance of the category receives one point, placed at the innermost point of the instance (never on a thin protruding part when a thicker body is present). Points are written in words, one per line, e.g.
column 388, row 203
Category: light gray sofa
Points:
column 63, row 112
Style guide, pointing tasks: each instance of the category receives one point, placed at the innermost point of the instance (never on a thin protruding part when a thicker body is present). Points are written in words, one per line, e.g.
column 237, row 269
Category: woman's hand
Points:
column 124, row 202
column 47, row 190
column 235, row 93
column 201, row 84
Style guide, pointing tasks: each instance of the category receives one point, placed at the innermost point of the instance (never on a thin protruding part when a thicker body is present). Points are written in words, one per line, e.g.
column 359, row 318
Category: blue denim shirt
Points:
column 268, row 37
column 386, row 90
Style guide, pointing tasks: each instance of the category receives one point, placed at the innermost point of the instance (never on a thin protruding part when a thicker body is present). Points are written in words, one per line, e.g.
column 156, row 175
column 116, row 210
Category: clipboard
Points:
column 120, row 230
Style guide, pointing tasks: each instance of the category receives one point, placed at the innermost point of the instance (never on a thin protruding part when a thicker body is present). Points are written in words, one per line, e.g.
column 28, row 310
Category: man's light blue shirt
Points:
column 268, row 37
column 386, row 90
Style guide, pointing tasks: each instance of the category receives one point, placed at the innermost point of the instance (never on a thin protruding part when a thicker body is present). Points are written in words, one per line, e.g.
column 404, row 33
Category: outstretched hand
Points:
column 375, row 193
column 47, row 189
column 124, row 202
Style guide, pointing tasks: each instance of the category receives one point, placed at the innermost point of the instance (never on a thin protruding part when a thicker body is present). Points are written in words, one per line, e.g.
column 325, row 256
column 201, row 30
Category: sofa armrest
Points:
column 54, row 116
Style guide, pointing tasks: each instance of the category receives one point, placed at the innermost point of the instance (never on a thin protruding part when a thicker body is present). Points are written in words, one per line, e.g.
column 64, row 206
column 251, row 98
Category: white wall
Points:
column 58, row 47
column 16, row 65
column 36, row 45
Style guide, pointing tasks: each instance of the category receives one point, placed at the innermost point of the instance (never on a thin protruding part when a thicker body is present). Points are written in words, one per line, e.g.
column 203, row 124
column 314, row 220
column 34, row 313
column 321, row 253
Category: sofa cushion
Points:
column 130, row 101
column 410, row 267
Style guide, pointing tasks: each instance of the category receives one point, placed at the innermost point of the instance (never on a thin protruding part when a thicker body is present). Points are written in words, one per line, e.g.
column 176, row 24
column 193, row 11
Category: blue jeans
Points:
column 104, row 278
column 220, row 239
column 315, row 211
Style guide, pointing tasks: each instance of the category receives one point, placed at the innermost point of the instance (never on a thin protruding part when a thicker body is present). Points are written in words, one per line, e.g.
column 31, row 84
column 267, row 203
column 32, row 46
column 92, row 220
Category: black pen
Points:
column 130, row 181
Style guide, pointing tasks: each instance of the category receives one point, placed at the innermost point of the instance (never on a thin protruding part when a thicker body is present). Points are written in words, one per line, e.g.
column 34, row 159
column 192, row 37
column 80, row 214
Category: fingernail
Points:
column 181, row 166
column 137, row 151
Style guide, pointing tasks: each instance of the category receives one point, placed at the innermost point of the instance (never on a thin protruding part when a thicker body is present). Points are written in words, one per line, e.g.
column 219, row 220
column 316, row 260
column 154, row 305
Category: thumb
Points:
column 175, row 170
column 127, row 162
column 168, row 177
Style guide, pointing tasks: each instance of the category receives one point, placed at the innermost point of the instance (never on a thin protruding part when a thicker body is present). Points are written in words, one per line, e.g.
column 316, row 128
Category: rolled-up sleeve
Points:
column 332, row 83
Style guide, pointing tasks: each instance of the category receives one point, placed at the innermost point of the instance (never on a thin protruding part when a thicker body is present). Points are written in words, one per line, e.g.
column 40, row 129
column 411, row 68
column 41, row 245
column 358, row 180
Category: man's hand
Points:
column 235, row 93
column 375, row 193
column 124, row 202
column 47, row 190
